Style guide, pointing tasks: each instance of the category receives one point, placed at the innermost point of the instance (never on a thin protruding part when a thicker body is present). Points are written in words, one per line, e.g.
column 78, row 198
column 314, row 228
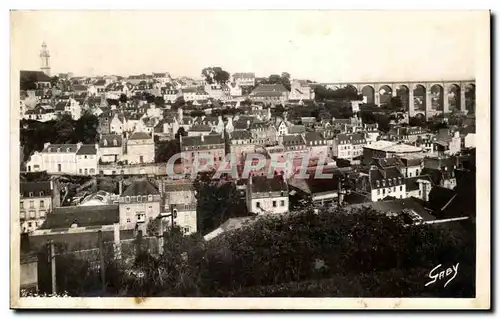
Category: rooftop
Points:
column 140, row 187
column 84, row 216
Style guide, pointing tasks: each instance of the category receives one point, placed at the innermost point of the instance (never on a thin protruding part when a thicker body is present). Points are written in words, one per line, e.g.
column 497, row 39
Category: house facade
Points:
column 37, row 199
column 267, row 196
column 140, row 148
column 138, row 204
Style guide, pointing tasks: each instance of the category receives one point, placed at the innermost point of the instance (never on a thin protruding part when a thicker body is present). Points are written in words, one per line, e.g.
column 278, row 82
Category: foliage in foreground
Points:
column 326, row 254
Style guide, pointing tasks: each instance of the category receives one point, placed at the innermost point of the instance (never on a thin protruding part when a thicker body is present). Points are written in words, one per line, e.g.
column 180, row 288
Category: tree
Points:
column 86, row 129
column 214, row 75
column 165, row 150
column 28, row 82
column 180, row 132
column 179, row 102
column 54, row 81
column 347, row 93
column 216, row 202
column 123, row 98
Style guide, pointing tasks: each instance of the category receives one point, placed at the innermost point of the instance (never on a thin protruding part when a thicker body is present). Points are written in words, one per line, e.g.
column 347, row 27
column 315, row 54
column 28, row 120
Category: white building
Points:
column 111, row 148
column 37, row 200
column 300, row 90
column 267, row 196
column 348, row 146
column 86, row 159
column 139, row 204
column 180, row 200
column 140, row 148
column 244, row 78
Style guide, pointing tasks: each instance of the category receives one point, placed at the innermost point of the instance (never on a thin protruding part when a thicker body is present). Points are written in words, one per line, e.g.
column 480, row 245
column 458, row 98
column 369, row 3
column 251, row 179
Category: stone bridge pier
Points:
column 428, row 98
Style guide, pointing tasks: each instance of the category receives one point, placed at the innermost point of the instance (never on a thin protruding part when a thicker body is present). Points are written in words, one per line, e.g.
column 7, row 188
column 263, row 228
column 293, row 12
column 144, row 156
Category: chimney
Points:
column 120, row 187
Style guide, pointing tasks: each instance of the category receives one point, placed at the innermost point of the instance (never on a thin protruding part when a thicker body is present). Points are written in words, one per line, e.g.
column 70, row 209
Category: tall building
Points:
column 45, row 59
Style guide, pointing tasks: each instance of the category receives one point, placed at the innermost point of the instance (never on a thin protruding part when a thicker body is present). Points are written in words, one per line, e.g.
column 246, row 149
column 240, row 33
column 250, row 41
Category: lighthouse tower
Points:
column 45, row 60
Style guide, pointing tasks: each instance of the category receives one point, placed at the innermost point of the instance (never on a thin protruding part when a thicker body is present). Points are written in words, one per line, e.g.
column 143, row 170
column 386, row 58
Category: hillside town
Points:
column 114, row 160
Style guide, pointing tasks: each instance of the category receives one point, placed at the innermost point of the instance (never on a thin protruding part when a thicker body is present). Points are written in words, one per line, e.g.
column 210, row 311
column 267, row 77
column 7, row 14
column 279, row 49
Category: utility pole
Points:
column 101, row 260
column 52, row 259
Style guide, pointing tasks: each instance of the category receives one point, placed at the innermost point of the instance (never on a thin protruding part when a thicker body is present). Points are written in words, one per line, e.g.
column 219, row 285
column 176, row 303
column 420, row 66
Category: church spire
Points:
column 45, row 59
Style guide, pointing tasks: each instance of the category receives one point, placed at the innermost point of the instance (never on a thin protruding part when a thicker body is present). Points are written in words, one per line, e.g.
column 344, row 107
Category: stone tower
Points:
column 45, row 59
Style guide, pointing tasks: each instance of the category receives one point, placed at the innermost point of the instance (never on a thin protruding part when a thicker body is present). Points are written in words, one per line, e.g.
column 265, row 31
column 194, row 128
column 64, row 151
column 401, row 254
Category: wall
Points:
column 28, row 274
column 267, row 205
column 381, row 193
column 128, row 217
column 88, row 162
column 138, row 148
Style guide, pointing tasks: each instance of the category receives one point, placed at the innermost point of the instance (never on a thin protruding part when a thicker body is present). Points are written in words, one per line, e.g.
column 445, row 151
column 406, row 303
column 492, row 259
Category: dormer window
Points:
column 41, row 193
column 127, row 199
column 68, row 149
column 139, row 198
column 30, row 194
column 115, row 142
column 150, row 198
column 58, row 150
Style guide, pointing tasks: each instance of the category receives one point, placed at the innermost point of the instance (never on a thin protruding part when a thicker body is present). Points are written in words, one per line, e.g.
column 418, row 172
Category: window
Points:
column 400, row 188
column 32, row 204
column 150, row 198
column 383, row 191
column 127, row 199
column 29, row 224
column 21, row 205
column 128, row 220
column 275, row 204
column 92, row 171
column 257, row 204
column 42, row 213
column 32, row 214
column 80, row 170
column 41, row 193
column 141, row 217
column 31, row 194
column 139, row 198
column 282, row 203
column 22, row 215
column 58, row 167
column 378, row 191
column 42, row 204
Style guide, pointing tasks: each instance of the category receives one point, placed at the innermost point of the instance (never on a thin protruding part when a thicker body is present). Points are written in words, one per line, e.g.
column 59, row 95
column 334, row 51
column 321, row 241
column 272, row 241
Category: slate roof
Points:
column 412, row 182
column 241, row 135
column 396, row 206
column 140, row 136
column 36, row 188
column 87, row 149
column 262, row 184
column 140, row 187
column 178, row 187
column 289, row 140
column 63, row 148
column 84, row 216
column 207, row 140
column 200, row 128
column 296, row 129
column 244, row 75
column 355, row 138
column 391, row 175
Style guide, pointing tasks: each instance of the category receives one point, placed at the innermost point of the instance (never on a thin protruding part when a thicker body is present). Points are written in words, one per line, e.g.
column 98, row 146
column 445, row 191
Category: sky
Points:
column 320, row 45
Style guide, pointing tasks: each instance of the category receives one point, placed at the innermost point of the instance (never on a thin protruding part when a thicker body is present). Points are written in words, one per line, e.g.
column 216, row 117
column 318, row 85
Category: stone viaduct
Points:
column 419, row 97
